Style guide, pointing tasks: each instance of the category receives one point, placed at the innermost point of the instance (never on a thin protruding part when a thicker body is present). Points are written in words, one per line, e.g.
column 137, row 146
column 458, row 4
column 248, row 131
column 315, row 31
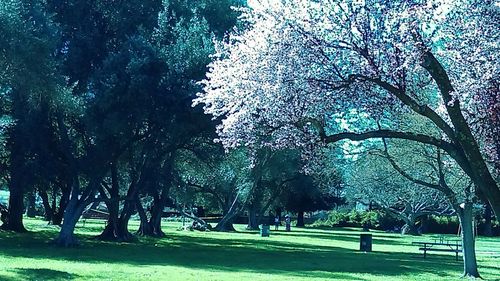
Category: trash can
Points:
column 365, row 242
column 264, row 230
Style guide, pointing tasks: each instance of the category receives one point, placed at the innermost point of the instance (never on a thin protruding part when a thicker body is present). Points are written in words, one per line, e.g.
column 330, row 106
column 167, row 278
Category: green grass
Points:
column 303, row 254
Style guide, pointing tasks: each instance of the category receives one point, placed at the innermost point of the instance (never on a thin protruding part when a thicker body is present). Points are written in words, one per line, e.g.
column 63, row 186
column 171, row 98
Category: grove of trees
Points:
column 252, row 108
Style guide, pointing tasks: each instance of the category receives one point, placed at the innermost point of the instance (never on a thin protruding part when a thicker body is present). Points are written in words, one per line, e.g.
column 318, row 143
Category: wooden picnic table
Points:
column 441, row 246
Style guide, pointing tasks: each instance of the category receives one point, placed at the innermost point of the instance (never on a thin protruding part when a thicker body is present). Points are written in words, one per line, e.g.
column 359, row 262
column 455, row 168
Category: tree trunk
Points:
column 14, row 220
column 74, row 211
column 468, row 241
column 144, row 227
column 31, row 208
column 253, row 223
column 66, row 236
column 425, row 224
column 300, row 219
column 155, row 221
column 63, row 203
column 488, row 226
column 410, row 227
column 117, row 230
column 278, row 214
column 112, row 231
column 48, row 211
column 152, row 227
column 226, row 223
column 72, row 214
column 18, row 174
column 476, row 168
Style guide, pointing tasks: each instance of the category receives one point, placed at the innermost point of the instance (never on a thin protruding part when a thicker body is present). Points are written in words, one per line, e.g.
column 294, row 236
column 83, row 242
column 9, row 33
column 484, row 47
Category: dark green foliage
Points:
column 372, row 219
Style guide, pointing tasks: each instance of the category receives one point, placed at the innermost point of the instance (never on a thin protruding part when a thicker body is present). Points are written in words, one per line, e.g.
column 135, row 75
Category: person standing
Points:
column 276, row 222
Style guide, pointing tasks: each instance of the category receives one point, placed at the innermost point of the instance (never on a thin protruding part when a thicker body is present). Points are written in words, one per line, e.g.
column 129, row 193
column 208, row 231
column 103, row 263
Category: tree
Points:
column 435, row 173
column 223, row 179
column 304, row 194
column 371, row 179
column 32, row 87
column 134, row 84
column 302, row 65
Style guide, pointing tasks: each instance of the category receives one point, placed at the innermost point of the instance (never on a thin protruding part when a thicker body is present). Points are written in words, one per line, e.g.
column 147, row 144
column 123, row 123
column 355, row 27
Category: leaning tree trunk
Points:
column 72, row 214
column 48, row 210
column 468, row 241
column 226, row 223
column 300, row 219
column 74, row 211
column 410, row 227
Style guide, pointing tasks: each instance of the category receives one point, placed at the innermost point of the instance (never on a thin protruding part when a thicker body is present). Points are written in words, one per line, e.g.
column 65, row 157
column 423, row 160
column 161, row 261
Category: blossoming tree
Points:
column 300, row 67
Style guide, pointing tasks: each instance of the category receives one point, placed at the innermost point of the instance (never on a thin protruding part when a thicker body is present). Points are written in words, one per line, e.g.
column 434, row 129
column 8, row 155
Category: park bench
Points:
column 440, row 245
column 94, row 214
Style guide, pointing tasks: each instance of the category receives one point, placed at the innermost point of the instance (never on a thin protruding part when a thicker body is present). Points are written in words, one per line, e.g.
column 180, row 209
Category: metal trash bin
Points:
column 365, row 242
column 264, row 230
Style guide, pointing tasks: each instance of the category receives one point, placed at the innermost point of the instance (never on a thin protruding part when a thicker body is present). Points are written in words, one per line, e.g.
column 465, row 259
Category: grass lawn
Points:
column 303, row 254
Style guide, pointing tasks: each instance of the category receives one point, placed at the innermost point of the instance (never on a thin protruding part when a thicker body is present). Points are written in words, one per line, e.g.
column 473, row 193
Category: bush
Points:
column 350, row 219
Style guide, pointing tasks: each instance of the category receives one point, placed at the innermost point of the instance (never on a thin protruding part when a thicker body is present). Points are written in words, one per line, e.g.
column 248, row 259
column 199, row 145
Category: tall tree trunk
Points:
column 468, row 241
column 18, row 173
column 300, row 219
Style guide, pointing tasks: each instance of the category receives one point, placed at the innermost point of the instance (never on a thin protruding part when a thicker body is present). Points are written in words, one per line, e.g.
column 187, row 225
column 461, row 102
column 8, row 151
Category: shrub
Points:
column 352, row 219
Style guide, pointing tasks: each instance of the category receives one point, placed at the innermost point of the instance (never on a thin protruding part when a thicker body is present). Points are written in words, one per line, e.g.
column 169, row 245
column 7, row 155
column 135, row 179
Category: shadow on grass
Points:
column 216, row 252
column 43, row 274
